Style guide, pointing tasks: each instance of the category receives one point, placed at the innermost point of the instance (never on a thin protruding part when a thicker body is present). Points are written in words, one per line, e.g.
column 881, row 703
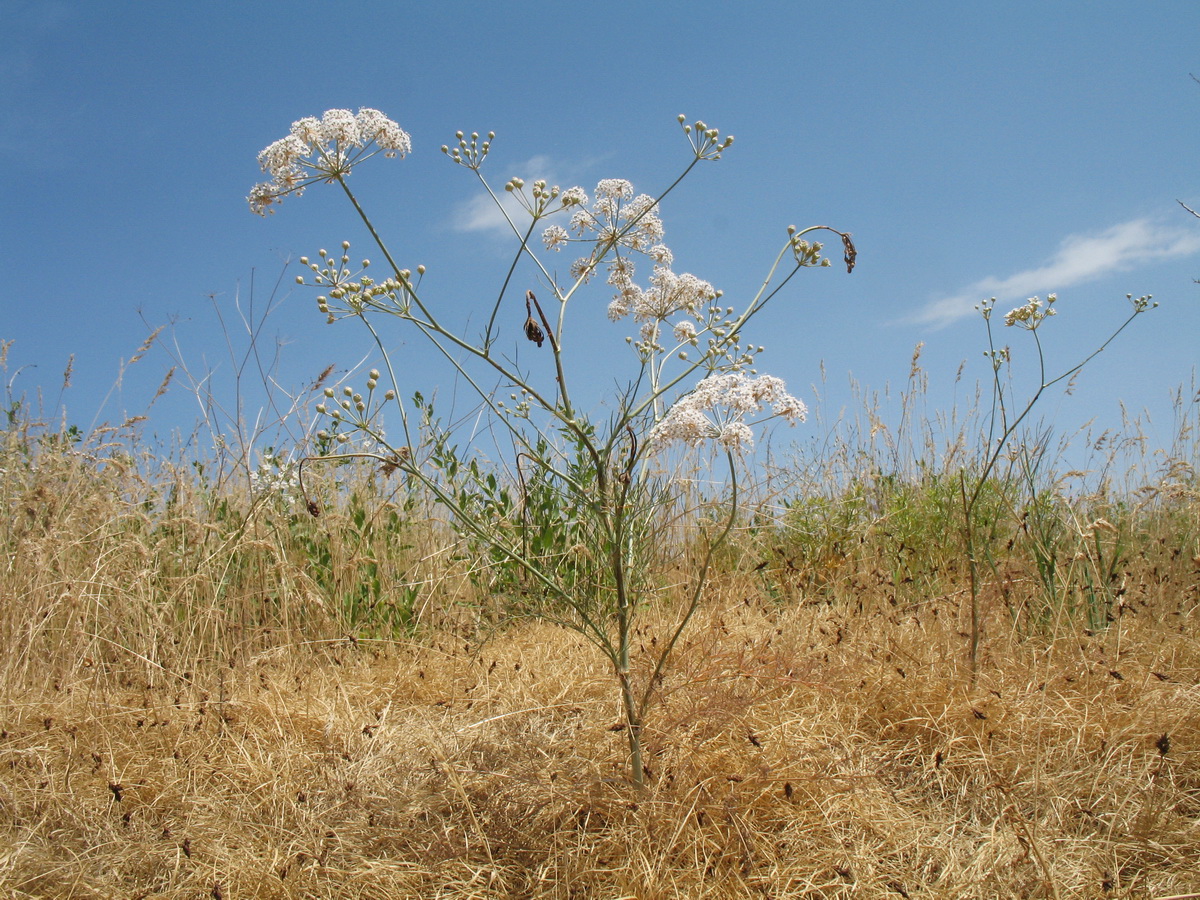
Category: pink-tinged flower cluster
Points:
column 716, row 410
column 685, row 331
column 617, row 220
column 324, row 149
column 668, row 294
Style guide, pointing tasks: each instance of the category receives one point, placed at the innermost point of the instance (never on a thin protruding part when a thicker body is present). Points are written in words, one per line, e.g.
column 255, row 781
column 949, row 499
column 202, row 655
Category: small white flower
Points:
column 736, row 436
column 582, row 268
column 282, row 154
column 573, row 196
column 620, row 305
column 375, row 126
column 274, row 476
column 555, row 237
column 1032, row 313
column 614, row 188
column 307, row 129
column 661, row 254
column 791, row 408
column 580, row 220
column 670, row 293
column 685, row 331
column 648, row 230
column 338, row 126
column 618, row 220
column 684, row 425
column 620, row 272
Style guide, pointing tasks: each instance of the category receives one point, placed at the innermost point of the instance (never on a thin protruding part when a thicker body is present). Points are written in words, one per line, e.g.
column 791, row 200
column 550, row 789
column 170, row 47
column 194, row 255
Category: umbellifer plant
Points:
column 604, row 498
column 1004, row 422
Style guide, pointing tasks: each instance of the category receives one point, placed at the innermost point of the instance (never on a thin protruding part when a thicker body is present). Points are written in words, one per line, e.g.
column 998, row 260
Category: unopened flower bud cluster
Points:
column 999, row 357
column 1141, row 304
column 706, row 142
column 470, row 155
column 546, row 199
column 350, row 293
column 350, row 410
column 808, row 253
column 520, row 406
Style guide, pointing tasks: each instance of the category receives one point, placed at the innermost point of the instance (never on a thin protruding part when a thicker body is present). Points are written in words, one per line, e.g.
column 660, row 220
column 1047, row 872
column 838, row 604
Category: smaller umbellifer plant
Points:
column 1005, row 421
column 588, row 506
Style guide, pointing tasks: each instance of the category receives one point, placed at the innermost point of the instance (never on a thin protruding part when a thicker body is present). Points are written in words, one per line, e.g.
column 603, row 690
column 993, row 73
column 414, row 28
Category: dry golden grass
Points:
column 799, row 751
column 188, row 709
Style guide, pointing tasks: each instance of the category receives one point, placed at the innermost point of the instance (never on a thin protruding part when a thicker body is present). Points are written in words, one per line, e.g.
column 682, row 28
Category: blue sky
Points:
column 973, row 150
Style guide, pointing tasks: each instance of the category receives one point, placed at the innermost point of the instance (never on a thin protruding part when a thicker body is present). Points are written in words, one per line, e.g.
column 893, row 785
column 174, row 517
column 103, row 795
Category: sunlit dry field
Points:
column 208, row 693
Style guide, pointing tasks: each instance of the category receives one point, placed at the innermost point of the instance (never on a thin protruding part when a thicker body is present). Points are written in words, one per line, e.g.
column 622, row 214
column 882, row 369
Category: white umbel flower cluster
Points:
column 619, row 219
column 616, row 221
column 324, row 149
column 275, row 476
column 668, row 294
column 718, row 406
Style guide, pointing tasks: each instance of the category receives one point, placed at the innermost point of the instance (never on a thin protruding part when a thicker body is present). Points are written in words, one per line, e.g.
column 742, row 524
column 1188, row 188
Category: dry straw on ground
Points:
column 799, row 752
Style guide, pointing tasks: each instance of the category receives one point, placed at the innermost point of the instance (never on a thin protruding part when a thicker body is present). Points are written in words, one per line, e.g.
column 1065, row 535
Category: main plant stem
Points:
column 633, row 728
column 625, row 610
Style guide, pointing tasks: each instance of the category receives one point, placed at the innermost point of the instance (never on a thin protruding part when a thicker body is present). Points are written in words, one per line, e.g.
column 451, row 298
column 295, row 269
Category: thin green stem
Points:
column 487, row 333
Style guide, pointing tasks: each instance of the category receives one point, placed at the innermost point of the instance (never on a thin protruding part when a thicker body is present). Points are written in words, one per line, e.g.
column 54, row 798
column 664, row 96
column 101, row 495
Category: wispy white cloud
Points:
column 481, row 213
column 1080, row 258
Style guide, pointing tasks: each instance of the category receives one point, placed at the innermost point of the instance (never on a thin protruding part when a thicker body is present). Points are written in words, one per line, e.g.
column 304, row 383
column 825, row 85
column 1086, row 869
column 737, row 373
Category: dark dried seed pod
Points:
column 534, row 332
column 851, row 254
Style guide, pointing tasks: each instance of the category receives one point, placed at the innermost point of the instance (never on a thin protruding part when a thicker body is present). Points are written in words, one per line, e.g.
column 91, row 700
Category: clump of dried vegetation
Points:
column 206, row 692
